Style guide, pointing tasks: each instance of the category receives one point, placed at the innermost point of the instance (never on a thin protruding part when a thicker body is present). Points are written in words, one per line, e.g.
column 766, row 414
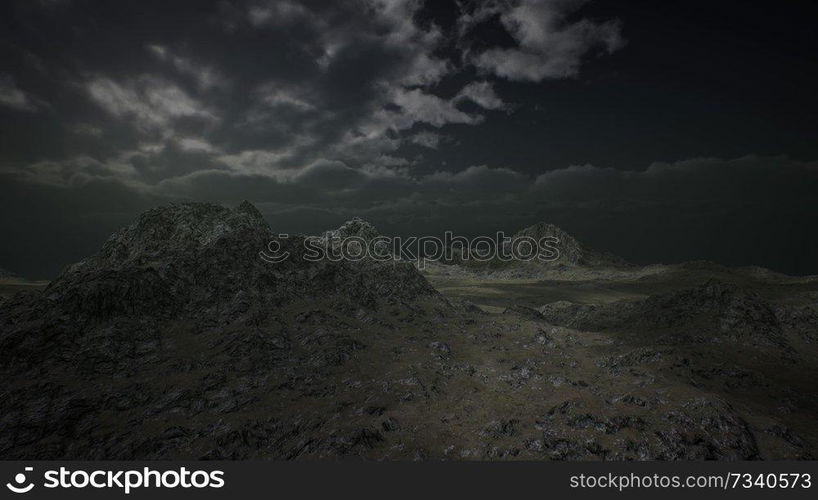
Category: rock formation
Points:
column 571, row 251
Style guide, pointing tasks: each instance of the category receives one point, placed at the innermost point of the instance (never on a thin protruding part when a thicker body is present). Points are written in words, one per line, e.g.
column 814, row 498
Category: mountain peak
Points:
column 249, row 209
column 543, row 229
column 572, row 252
column 180, row 227
column 355, row 226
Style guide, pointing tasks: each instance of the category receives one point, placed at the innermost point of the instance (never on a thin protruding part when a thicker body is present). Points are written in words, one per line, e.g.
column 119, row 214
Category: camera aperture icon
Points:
column 20, row 479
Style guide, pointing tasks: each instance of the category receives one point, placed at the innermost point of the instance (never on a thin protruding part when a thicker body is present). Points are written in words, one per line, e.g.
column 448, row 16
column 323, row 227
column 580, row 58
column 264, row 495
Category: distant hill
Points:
column 574, row 257
column 572, row 252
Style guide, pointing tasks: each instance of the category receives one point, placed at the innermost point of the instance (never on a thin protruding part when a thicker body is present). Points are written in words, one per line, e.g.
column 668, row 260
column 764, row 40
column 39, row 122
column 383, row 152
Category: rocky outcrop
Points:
column 354, row 234
column 354, row 227
column 559, row 256
column 712, row 312
column 699, row 429
column 199, row 260
column 571, row 251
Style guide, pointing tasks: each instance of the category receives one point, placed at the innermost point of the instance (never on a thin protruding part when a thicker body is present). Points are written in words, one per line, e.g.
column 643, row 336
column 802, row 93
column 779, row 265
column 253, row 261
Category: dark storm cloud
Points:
column 14, row 98
column 548, row 45
column 260, row 87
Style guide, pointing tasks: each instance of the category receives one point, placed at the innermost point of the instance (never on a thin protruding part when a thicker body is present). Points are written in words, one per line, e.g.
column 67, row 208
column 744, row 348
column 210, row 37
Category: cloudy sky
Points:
column 662, row 131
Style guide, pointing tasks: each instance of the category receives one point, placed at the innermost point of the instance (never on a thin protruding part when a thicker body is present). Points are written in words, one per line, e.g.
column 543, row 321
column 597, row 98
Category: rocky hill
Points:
column 354, row 232
column 573, row 260
column 354, row 227
column 571, row 251
column 180, row 294
column 203, row 260
column 714, row 312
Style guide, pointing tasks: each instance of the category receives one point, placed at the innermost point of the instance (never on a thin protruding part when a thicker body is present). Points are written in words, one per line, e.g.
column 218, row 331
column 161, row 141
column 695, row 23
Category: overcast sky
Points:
column 661, row 131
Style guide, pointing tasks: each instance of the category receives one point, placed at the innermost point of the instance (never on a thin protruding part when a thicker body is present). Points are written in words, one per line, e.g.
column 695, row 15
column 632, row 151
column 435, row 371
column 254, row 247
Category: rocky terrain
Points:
column 176, row 340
